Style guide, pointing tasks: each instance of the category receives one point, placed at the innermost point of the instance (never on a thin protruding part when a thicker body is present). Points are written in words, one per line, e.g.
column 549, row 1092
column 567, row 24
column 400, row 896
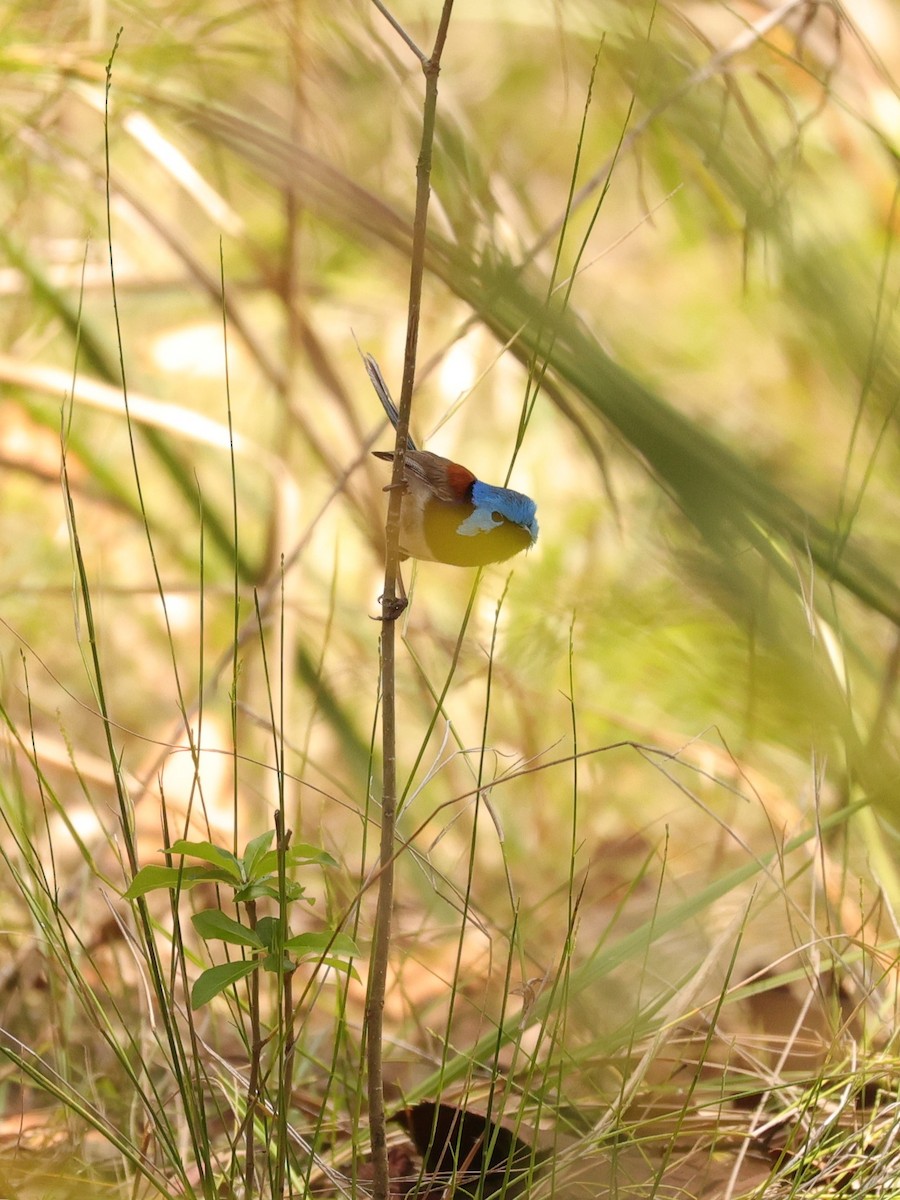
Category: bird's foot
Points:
column 391, row 607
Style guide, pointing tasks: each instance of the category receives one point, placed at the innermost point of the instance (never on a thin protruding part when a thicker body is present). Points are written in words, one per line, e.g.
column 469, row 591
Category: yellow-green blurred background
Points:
column 697, row 244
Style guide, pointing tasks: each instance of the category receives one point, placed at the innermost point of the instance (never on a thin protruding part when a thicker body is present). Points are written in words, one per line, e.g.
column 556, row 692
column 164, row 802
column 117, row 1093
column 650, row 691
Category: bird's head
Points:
column 496, row 506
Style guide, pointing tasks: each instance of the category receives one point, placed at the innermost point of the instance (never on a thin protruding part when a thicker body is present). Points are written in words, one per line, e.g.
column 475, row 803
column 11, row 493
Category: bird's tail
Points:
column 381, row 388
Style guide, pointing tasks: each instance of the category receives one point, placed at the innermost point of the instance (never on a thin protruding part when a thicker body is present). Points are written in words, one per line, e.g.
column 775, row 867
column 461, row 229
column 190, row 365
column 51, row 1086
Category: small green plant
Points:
column 257, row 874
column 260, row 873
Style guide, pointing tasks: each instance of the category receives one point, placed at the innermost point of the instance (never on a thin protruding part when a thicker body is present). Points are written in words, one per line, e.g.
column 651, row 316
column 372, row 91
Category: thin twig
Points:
column 390, row 611
column 253, row 1081
column 288, row 1033
column 401, row 32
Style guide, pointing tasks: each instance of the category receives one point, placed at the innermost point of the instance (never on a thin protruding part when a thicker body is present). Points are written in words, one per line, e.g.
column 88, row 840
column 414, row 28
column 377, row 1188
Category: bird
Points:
column 449, row 516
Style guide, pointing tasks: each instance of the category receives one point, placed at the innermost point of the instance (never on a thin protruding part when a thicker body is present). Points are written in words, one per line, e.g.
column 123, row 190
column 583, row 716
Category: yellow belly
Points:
column 429, row 531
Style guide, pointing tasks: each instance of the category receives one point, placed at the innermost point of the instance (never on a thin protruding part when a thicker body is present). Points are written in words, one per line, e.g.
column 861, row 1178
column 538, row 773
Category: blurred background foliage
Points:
column 664, row 233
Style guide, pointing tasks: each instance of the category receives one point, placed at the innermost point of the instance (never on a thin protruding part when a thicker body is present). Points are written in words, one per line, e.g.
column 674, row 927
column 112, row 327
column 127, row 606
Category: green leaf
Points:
column 223, row 859
column 338, row 964
column 217, row 979
column 267, row 864
column 268, row 887
column 261, row 888
column 270, row 963
column 255, row 851
column 267, row 928
column 154, row 878
column 297, row 856
column 313, row 943
column 212, row 923
column 304, row 853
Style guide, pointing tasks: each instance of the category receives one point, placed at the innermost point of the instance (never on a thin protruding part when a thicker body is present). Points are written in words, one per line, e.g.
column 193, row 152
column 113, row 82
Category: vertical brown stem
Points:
column 253, row 1081
column 288, row 1034
column 390, row 611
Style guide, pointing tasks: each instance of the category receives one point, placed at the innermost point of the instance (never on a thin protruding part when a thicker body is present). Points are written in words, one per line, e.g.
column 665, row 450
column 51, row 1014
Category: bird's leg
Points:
column 396, row 606
column 392, row 608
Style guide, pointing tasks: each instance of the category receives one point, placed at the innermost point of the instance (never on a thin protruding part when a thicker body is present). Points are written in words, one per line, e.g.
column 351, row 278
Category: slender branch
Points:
column 390, row 611
column 288, row 1027
column 401, row 32
column 256, row 1045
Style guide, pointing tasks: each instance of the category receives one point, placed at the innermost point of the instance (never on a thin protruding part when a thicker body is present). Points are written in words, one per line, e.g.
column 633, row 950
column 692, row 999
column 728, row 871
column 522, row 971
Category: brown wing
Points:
column 445, row 480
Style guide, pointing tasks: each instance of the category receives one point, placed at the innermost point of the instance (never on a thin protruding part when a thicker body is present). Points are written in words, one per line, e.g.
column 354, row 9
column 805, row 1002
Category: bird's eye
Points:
column 496, row 517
